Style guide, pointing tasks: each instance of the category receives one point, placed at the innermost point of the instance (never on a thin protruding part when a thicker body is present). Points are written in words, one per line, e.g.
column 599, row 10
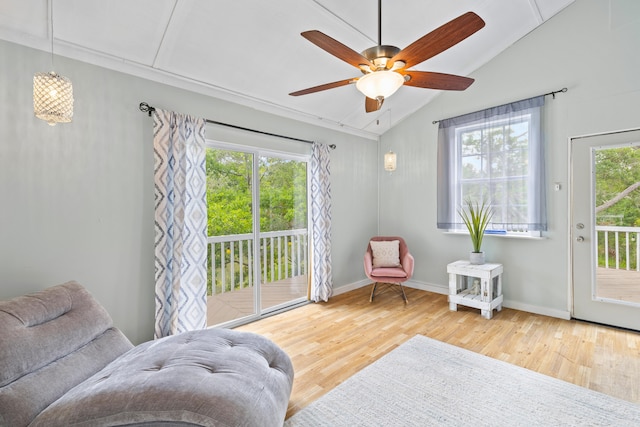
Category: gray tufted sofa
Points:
column 63, row 363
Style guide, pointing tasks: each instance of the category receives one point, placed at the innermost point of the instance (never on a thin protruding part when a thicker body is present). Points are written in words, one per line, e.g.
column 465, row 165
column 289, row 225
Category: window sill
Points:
column 502, row 236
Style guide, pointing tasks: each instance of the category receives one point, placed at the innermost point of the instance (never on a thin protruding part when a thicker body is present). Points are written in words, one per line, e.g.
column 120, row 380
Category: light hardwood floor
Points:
column 329, row 342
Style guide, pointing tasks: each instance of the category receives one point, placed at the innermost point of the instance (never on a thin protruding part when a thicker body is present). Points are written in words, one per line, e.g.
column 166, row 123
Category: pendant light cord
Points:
column 51, row 28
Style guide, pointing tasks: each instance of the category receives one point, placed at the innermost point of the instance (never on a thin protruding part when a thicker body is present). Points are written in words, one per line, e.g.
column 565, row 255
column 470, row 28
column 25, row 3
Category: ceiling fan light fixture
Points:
column 380, row 84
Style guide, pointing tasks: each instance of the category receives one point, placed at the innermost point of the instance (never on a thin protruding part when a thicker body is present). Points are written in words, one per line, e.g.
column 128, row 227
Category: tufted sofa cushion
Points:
column 50, row 341
column 213, row 377
column 63, row 363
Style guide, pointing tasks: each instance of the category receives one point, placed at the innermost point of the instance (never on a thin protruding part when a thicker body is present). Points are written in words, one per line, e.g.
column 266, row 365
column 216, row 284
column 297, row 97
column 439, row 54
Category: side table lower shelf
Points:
column 485, row 295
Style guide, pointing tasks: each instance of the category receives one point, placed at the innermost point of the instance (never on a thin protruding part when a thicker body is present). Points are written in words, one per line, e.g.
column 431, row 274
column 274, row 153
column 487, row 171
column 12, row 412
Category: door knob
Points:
column 579, row 226
column 580, row 239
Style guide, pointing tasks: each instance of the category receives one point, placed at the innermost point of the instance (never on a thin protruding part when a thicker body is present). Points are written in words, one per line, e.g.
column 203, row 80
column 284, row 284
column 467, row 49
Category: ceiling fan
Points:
column 386, row 68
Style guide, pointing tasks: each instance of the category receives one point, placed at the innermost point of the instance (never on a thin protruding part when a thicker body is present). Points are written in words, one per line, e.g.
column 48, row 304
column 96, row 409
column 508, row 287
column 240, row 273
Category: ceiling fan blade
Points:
column 440, row 81
column 371, row 105
column 439, row 40
column 323, row 87
column 336, row 48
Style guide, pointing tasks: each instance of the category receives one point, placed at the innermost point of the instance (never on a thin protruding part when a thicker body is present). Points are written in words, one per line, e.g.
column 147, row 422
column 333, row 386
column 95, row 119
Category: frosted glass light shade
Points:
column 390, row 161
column 380, row 83
column 52, row 98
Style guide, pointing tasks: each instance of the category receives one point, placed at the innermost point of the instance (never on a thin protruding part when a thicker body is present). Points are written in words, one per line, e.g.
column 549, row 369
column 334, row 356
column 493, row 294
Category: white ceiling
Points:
column 251, row 51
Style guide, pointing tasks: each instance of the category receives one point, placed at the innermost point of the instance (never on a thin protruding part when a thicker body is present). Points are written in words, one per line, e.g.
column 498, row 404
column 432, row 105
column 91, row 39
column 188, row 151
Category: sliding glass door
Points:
column 230, row 235
column 283, row 231
column 258, row 251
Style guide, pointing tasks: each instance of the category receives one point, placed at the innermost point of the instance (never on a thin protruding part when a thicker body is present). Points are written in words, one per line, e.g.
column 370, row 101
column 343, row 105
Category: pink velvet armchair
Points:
column 393, row 265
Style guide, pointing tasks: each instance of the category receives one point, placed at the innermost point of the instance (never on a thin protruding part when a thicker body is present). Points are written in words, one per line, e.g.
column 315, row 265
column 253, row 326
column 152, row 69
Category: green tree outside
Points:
column 495, row 165
column 617, row 199
column 283, row 206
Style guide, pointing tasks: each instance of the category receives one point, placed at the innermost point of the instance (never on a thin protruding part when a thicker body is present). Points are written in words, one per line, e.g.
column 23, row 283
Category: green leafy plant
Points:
column 476, row 217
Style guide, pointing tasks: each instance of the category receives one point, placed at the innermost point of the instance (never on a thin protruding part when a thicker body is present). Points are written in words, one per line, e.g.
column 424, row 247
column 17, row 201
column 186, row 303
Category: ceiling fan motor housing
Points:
column 380, row 55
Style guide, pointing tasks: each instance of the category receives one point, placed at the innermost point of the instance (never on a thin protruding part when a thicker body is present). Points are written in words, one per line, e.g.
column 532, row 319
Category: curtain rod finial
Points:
column 146, row 108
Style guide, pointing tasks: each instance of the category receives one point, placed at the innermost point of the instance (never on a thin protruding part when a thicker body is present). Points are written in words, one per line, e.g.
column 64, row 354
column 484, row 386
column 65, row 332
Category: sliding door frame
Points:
column 257, row 153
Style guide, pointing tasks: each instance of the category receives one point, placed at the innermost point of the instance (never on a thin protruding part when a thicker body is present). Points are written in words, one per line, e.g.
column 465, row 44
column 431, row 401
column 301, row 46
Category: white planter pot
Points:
column 476, row 258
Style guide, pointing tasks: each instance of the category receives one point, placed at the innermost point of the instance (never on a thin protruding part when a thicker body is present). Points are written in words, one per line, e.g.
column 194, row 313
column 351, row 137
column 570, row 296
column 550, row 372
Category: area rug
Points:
column 425, row 382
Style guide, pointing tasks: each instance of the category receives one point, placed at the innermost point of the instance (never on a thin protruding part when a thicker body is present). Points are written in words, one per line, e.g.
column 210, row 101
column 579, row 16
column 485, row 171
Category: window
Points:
column 494, row 155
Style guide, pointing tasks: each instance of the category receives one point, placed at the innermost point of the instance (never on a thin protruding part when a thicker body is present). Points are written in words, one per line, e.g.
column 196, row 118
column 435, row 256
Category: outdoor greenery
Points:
column 500, row 155
column 618, row 200
column 618, row 179
column 283, row 206
column 495, row 164
column 283, row 195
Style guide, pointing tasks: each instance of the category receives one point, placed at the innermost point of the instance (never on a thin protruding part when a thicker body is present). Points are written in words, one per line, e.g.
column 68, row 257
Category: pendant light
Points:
column 390, row 161
column 52, row 93
column 390, row 158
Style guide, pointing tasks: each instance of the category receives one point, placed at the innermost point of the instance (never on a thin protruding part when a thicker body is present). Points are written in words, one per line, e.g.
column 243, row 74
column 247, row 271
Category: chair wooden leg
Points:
column 375, row 285
column 373, row 291
column 404, row 296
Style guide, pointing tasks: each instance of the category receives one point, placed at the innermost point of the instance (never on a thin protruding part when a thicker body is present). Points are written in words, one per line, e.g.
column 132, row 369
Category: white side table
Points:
column 477, row 286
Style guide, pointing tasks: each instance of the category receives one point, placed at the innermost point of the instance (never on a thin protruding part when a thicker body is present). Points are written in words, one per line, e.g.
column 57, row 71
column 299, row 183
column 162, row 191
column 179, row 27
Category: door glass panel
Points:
column 605, row 207
column 283, row 231
column 617, row 214
column 231, row 294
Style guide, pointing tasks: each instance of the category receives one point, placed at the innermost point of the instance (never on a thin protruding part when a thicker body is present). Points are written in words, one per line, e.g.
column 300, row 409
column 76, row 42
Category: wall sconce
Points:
column 390, row 161
column 52, row 93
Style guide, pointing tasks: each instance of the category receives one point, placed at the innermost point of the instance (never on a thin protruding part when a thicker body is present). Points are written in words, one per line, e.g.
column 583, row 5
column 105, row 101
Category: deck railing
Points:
column 618, row 247
column 283, row 254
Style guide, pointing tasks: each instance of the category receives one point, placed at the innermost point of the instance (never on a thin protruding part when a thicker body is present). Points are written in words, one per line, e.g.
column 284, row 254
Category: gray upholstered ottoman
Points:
column 64, row 364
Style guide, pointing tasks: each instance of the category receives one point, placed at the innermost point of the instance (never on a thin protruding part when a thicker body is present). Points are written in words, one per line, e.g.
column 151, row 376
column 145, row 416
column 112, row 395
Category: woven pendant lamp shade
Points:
column 52, row 98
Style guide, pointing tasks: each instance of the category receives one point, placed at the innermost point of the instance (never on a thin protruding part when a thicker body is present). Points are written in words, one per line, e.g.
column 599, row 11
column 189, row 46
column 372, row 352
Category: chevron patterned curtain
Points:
column 180, row 222
column 321, row 279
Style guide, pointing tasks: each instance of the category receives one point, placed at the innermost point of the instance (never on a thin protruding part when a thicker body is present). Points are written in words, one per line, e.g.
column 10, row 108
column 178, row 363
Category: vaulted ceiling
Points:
column 251, row 51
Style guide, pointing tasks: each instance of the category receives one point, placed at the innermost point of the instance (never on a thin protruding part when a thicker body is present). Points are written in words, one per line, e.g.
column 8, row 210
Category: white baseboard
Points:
column 544, row 311
column 350, row 287
column 429, row 287
column 444, row 290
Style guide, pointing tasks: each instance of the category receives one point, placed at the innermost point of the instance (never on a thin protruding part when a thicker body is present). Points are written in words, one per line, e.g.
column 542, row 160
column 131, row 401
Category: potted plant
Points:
column 476, row 217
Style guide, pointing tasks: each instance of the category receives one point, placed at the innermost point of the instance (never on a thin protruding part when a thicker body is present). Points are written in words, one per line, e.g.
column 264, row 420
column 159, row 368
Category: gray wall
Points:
column 77, row 199
column 591, row 48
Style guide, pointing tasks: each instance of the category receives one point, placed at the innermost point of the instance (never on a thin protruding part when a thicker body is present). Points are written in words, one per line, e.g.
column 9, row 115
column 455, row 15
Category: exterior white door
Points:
column 605, row 228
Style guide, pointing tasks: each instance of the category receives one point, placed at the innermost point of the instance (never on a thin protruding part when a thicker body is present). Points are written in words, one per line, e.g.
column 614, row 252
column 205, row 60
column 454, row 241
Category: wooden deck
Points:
column 621, row 285
column 234, row 305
